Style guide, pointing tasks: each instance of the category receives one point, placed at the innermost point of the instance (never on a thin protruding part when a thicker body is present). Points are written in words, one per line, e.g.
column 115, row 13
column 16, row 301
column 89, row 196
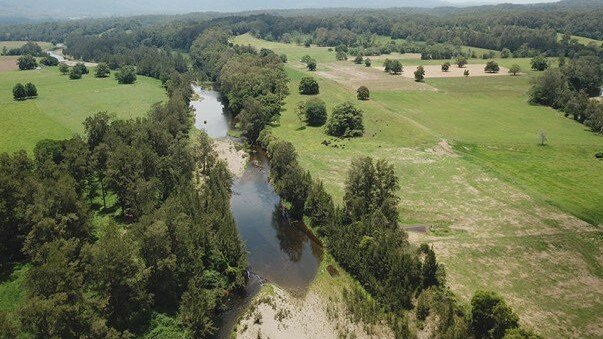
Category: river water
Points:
column 278, row 251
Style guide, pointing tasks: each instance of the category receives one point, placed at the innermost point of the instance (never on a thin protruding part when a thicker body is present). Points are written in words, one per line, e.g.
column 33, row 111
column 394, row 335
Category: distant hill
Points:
column 99, row 8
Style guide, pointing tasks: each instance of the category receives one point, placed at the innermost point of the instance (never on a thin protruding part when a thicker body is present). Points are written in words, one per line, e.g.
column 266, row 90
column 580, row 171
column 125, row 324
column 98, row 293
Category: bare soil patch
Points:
column 435, row 71
column 8, row 63
column 235, row 158
column 353, row 76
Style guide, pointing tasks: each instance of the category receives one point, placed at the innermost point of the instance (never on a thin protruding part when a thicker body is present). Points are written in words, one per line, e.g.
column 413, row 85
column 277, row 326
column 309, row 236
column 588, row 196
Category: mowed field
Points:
column 17, row 44
column 63, row 104
column 503, row 213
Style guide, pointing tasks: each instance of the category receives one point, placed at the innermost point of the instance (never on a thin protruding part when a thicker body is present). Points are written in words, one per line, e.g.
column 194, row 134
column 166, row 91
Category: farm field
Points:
column 17, row 44
column 473, row 174
column 63, row 104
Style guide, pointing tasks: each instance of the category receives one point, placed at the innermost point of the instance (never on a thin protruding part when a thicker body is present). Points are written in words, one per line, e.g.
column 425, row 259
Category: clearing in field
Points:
column 435, row 71
column 8, row 63
column 62, row 105
column 352, row 76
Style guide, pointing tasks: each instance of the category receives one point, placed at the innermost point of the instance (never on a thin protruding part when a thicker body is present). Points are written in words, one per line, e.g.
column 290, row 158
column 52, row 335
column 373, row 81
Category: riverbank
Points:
column 320, row 313
column 233, row 154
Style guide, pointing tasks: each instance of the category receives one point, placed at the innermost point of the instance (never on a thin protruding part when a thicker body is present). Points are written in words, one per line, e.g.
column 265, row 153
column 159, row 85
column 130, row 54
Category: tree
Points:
column 82, row 67
column 253, row 120
column 358, row 59
column 102, row 70
column 514, row 70
column 466, row 73
column 396, row 67
column 584, row 74
column 341, row 55
column 346, row 121
column 445, row 66
column 419, row 74
column 490, row 316
column 19, row 92
column 491, row 67
column 283, row 58
column 367, row 62
column 126, row 75
column 311, row 65
column 31, row 90
column 387, row 64
column 308, row 86
column 75, row 73
column 197, row 308
column 539, row 63
column 314, row 111
column 64, row 69
column 430, row 269
column 319, row 206
column 120, row 277
column 506, row 53
column 50, row 61
column 461, row 62
column 549, row 88
column 362, row 93
column 27, row 62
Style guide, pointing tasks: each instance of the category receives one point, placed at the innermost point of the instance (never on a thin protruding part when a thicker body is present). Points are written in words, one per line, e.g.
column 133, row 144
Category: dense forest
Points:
column 118, row 228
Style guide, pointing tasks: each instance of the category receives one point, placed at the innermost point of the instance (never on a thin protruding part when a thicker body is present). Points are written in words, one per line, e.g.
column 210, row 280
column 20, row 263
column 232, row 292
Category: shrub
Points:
column 367, row 62
column 126, row 75
column 102, row 70
column 492, row 67
column 311, row 65
column 419, row 74
column 50, row 61
column 19, row 92
column 466, row 73
column 539, row 63
column 358, row 59
column 82, row 68
column 445, row 66
column 283, row 58
column 461, row 62
column 341, row 55
column 506, row 53
column 31, row 90
column 308, row 86
column 490, row 315
column 27, row 62
column 75, row 73
column 363, row 93
column 514, row 69
column 346, row 121
column 64, row 69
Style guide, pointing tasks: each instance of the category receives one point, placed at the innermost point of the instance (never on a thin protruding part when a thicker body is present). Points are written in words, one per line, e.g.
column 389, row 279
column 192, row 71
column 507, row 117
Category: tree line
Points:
column 119, row 226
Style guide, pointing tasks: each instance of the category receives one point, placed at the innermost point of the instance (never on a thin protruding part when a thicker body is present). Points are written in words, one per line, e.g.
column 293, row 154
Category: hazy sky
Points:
column 500, row 1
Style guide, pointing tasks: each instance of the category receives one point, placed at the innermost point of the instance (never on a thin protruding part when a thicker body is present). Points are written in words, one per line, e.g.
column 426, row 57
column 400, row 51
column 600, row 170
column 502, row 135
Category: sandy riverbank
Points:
column 235, row 158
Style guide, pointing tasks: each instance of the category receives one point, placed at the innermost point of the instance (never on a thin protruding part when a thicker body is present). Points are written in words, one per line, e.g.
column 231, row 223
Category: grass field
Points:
column 581, row 39
column 17, row 44
column 503, row 212
column 63, row 104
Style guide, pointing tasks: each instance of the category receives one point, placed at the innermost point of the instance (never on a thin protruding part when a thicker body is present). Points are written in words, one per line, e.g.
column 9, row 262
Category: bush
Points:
column 492, row 67
column 346, row 121
column 358, row 59
column 363, row 93
column 31, row 90
column 283, row 58
column 64, row 69
column 315, row 112
column 126, row 75
column 466, row 73
column 461, row 62
column 19, row 92
column 75, row 73
column 27, row 62
column 419, row 74
column 490, row 315
column 539, row 63
column 311, row 65
column 506, row 53
column 445, row 66
column 367, row 62
column 341, row 55
column 82, row 68
column 514, row 69
column 102, row 70
column 50, row 61
column 308, row 86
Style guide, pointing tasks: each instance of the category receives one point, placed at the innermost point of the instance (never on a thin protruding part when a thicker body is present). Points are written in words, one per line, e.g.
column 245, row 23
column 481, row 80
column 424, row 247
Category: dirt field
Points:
column 435, row 71
column 353, row 76
column 8, row 63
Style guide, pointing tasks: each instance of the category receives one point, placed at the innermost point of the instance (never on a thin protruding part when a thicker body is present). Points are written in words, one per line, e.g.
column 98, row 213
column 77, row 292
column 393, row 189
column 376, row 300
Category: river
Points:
column 278, row 251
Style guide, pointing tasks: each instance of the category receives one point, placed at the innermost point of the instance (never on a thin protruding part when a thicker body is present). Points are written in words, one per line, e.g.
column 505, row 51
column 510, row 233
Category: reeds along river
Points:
column 278, row 251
